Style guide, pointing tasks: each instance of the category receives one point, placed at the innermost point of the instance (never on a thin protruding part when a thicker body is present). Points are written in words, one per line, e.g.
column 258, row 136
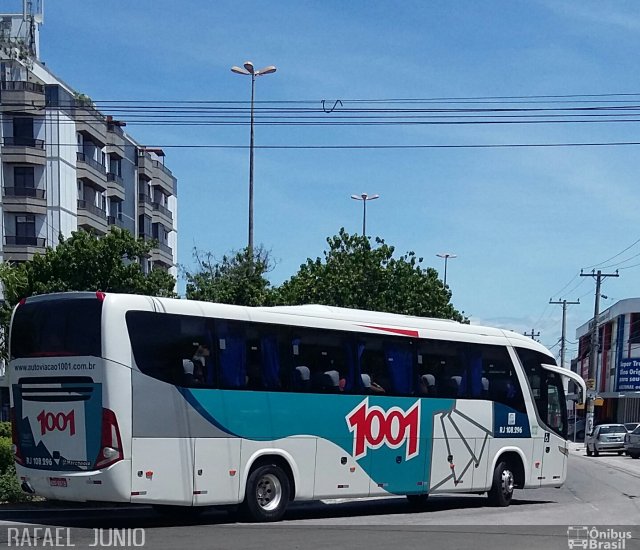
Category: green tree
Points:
column 355, row 274
column 84, row 262
column 236, row 279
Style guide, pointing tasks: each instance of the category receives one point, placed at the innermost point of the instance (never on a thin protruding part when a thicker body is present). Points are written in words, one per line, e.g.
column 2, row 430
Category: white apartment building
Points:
column 64, row 165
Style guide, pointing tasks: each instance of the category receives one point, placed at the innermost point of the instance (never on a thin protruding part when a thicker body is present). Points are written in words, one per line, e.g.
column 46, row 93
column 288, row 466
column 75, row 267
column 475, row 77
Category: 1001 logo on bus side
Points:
column 374, row 427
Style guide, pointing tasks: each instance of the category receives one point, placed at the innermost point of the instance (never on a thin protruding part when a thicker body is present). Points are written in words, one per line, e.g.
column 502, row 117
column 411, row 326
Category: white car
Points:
column 606, row 437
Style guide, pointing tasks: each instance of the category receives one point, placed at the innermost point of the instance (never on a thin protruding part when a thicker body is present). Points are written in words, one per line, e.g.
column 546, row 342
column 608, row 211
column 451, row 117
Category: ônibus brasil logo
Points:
column 374, row 427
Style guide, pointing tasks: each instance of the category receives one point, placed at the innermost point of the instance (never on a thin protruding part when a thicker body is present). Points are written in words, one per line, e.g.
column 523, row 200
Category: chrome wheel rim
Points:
column 268, row 492
column 507, row 483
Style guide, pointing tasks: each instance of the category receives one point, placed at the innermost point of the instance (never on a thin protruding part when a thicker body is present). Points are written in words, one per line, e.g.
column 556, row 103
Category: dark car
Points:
column 632, row 443
column 606, row 437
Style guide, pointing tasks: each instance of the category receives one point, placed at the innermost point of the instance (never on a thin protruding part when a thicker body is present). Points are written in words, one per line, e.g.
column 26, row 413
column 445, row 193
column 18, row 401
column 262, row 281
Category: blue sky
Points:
column 523, row 221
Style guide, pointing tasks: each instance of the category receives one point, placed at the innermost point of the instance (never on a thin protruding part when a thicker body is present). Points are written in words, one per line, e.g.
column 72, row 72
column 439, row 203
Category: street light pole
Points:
column 446, row 256
column 249, row 70
column 364, row 197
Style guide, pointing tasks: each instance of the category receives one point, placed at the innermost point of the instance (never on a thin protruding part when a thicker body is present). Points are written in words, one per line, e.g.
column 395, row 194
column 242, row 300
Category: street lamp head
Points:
column 249, row 66
column 239, row 70
column 446, row 255
column 365, row 197
column 267, row 70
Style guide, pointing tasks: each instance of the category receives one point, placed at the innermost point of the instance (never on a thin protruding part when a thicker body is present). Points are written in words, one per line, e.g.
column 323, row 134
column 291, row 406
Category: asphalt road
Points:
column 602, row 492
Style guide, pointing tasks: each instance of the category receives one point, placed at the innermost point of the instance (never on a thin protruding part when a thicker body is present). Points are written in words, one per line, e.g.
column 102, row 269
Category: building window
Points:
column 23, row 130
column 26, row 226
column 23, row 177
column 634, row 329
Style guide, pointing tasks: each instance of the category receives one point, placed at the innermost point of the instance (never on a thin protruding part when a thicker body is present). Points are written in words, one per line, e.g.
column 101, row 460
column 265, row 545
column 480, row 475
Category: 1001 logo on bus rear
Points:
column 50, row 422
column 374, row 427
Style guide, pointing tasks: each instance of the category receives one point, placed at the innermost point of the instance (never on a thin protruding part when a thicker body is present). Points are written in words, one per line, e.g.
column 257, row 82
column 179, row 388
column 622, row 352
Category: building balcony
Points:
column 163, row 177
column 23, row 97
column 115, row 186
column 91, row 123
column 145, row 204
column 24, row 150
column 92, row 217
column 24, row 200
column 91, row 172
column 115, row 140
column 116, row 220
column 162, row 215
column 21, row 248
column 162, row 254
column 145, row 166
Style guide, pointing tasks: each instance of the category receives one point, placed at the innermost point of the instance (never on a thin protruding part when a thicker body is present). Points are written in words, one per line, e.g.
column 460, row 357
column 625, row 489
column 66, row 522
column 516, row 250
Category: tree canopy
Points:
column 355, row 274
column 236, row 279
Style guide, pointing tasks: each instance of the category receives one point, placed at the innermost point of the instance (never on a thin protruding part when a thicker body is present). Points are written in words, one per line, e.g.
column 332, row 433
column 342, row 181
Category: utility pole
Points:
column 563, row 341
column 593, row 353
column 533, row 335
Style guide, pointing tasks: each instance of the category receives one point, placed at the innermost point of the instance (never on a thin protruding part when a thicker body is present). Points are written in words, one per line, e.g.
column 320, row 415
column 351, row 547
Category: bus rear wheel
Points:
column 267, row 494
column 501, row 491
column 418, row 501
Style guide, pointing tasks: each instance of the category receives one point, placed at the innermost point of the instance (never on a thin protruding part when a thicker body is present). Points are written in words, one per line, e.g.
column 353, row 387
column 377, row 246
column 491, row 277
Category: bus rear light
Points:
column 110, row 441
column 15, row 447
column 100, row 295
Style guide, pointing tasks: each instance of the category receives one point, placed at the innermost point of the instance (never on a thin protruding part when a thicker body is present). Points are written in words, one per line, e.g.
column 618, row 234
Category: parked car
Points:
column 632, row 443
column 606, row 437
column 577, row 426
column 631, row 425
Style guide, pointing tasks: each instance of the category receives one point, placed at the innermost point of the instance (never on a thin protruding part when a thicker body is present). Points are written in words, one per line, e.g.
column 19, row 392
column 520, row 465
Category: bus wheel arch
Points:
column 268, row 489
column 508, row 474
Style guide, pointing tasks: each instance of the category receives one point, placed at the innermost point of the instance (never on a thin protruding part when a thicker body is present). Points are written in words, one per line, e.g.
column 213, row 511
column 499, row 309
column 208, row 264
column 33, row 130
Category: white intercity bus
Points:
column 128, row 398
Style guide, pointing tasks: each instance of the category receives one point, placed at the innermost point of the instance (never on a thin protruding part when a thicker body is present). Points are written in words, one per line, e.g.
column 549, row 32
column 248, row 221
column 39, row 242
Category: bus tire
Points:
column 501, row 490
column 267, row 494
column 418, row 501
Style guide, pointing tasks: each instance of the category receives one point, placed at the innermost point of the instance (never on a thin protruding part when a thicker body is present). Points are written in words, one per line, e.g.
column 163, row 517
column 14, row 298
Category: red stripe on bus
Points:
column 403, row 331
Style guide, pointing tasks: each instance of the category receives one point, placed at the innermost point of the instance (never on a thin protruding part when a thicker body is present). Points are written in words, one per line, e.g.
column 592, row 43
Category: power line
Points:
column 408, row 146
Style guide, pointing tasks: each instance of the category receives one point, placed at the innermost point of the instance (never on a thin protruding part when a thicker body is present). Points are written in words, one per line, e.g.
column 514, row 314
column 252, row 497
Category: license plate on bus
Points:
column 57, row 482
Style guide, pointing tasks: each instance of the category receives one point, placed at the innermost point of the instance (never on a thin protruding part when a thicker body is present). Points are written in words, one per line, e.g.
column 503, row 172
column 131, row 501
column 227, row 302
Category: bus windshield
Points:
column 547, row 390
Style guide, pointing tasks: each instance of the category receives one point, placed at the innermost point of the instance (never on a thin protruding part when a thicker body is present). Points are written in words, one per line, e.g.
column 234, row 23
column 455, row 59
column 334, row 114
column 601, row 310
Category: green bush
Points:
column 6, row 456
column 10, row 487
column 5, row 429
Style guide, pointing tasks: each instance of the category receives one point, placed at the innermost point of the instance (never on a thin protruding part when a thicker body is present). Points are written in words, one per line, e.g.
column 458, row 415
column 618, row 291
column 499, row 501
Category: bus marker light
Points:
column 138, row 493
column 148, row 474
column 537, row 464
column 232, row 472
column 352, row 469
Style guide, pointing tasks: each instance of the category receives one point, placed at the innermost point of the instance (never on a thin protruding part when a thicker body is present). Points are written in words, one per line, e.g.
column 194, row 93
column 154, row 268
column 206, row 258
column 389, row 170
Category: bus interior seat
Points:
column 485, row 387
column 329, row 381
column 366, row 382
column 301, row 378
column 428, row 385
column 450, row 387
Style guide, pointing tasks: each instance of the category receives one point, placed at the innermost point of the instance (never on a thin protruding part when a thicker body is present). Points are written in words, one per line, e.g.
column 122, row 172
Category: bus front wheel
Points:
column 267, row 494
column 501, row 490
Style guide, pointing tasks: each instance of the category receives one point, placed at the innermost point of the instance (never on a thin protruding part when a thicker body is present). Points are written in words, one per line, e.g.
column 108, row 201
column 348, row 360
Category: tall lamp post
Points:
column 446, row 256
column 364, row 198
column 249, row 70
